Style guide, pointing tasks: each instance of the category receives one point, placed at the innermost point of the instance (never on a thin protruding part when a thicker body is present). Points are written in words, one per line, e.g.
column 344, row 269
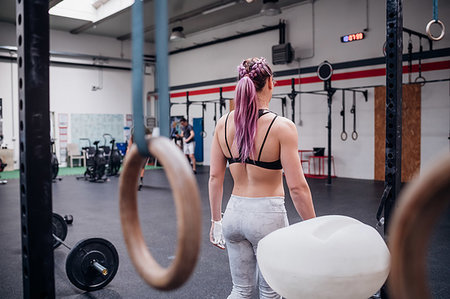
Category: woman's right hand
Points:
column 216, row 234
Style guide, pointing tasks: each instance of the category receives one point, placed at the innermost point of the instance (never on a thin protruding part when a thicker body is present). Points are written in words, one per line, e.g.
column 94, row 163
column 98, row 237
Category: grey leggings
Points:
column 246, row 221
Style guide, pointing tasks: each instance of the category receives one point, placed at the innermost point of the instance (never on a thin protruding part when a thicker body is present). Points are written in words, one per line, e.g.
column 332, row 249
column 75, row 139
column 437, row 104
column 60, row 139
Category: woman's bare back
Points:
column 251, row 180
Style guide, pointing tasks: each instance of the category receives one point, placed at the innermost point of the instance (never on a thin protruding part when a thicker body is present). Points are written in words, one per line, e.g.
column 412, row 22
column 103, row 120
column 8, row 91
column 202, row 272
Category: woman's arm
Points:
column 216, row 176
column 298, row 187
column 218, row 165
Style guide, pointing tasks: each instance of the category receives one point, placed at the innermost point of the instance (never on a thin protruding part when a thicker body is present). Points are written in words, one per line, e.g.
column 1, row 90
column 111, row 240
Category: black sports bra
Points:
column 268, row 165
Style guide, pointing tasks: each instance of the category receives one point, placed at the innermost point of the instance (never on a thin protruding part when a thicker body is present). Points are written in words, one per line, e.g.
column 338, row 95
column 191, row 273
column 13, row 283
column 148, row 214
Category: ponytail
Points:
column 253, row 74
column 245, row 117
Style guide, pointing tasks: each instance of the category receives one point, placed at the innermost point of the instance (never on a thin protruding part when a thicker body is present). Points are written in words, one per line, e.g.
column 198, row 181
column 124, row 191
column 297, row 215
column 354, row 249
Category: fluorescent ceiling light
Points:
column 218, row 8
column 89, row 10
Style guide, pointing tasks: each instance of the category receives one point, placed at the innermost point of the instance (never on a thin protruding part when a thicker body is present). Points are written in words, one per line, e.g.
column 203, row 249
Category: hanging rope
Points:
column 137, row 77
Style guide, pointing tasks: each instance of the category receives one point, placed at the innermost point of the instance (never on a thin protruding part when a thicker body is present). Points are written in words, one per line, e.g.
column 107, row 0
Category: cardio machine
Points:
column 95, row 162
column 112, row 155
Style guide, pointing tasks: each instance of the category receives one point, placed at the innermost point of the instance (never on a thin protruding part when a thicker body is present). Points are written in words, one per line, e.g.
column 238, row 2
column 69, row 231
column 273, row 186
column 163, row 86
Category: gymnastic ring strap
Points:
column 188, row 210
column 419, row 208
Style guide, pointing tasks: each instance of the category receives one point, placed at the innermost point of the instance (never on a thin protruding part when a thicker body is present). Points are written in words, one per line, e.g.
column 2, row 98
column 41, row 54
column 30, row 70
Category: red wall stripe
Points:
column 426, row 67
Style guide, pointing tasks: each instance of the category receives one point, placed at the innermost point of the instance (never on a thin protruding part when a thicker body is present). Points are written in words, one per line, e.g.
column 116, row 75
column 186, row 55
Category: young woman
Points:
column 258, row 145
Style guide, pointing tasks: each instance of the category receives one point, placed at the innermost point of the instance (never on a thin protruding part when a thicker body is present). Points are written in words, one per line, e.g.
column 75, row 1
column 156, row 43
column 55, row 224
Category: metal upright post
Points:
column 394, row 50
column 188, row 103
column 292, row 96
column 35, row 171
column 330, row 92
column 221, row 102
column 394, row 47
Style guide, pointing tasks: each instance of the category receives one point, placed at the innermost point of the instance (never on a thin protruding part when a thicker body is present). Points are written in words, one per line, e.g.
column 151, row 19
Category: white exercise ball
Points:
column 324, row 257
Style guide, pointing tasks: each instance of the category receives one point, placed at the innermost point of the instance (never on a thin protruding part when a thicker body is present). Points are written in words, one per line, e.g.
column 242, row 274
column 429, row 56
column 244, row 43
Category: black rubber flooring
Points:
column 94, row 207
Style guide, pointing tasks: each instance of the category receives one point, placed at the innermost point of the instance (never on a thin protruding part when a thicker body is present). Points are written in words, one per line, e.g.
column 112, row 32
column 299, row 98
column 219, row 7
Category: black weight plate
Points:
column 59, row 229
column 78, row 263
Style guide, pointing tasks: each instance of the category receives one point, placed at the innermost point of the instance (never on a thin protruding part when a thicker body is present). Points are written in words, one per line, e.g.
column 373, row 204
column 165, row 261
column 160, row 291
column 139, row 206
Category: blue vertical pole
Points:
column 137, row 77
column 162, row 65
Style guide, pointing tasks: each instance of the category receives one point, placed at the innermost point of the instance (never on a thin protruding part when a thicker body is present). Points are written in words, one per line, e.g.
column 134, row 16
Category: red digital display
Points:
column 352, row 37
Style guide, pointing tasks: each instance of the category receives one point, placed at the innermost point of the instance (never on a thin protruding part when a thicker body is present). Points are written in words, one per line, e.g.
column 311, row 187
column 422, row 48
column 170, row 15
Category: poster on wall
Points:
column 93, row 126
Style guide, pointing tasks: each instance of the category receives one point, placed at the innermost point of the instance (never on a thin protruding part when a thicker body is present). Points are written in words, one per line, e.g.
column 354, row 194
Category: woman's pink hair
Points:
column 253, row 74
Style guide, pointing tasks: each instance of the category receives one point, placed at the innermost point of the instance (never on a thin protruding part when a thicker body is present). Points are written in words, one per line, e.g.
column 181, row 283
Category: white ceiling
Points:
column 187, row 13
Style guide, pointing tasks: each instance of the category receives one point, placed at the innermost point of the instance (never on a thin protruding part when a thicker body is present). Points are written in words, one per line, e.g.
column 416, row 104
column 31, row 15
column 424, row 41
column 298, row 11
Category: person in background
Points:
column 258, row 145
column 174, row 134
column 188, row 142
column 130, row 142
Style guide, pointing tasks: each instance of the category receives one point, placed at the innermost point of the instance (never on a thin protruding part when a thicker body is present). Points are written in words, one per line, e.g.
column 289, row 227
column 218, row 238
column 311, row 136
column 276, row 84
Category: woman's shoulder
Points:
column 284, row 128
column 284, row 123
column 221, row 122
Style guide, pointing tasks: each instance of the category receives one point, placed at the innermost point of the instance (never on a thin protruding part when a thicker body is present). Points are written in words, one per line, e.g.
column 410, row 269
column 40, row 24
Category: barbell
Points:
column 92, row 263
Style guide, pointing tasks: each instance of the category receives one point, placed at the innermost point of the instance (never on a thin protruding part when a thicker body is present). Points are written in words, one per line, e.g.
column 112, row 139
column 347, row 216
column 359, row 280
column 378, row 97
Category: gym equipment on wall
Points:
column 215, row 115
column 410, row 49
column 435, row 21
column 203, row 133
column 420, row 79
column 343, row 133
column 353, row 111
column 324, row 72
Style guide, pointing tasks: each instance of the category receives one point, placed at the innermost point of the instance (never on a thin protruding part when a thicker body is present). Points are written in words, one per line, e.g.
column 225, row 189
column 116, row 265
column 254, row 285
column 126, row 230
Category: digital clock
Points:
column 352, row 37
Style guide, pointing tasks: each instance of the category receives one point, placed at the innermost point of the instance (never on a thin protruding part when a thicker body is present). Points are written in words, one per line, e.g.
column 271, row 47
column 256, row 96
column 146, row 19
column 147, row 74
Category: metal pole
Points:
column 330, row 92
column 393, row 104
column 394, row 50
column 162, row 65
column 292, row 97
column 35, row 171
column 215, row 114
column 188, row 103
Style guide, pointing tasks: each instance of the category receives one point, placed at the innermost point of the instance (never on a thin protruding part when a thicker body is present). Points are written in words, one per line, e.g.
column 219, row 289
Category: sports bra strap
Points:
column 265, row 137
column 226, row 140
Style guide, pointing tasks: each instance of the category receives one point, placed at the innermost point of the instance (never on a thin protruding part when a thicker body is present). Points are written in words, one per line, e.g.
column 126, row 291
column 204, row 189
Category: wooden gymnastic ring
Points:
column 419, row 208
column 188, row 210
column 428, row 30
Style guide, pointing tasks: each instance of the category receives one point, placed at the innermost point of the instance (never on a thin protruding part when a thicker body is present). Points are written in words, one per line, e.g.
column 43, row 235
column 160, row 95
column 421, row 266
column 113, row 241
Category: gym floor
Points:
column 94, row 207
